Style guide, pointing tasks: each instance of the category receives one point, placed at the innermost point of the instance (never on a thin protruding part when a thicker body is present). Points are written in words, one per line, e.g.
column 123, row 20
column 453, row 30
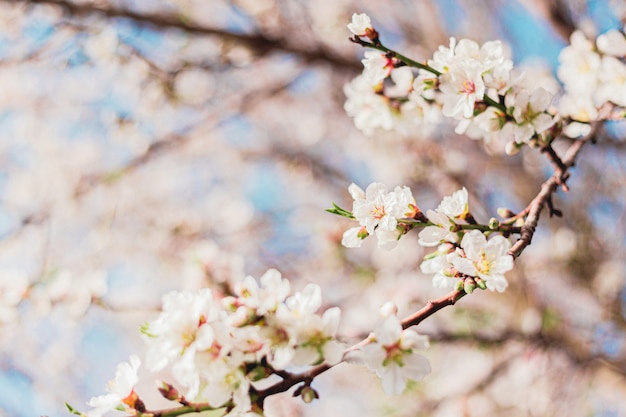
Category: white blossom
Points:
column 454, row 206
column 352, row 237
column 376, row 67
column 579, row 66
column 486, row 259
column 612, row 43
column 120, row 389
column 370, row 111
column 376, row 207
column 611, row 81
column 379, row 211
column 530, row 113
column 392, row 355
column 440, row 264
column 461, row 87
column 360, row 25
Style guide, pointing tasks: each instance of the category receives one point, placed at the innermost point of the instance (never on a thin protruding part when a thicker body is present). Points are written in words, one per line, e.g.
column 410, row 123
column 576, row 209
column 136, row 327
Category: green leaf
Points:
column 340, row 211
column 73, row 410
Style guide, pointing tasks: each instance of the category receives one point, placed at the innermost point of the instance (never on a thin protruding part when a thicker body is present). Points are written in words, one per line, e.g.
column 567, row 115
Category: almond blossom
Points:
column 121, row 394
column 378, row 211
column 361, row 24
column 392, row 355
column 486, row 259
column 529, row 111
column 454, row 206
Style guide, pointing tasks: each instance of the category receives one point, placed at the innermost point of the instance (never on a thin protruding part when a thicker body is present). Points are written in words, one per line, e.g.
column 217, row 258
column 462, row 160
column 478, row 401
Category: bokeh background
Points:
column 149, row 145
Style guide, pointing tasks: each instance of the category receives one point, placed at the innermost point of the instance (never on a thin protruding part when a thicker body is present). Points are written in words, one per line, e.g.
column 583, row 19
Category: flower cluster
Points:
column 465, row 81
column 381, row 97
column 485, row 261
column 379, row 212
column 463, row 250
column 593, row 74
column 217, row 348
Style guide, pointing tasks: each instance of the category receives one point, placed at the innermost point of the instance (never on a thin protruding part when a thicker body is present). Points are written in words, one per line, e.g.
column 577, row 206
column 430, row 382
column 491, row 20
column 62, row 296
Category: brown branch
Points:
column 258, row 42
column 432, row 307
column 548, row 188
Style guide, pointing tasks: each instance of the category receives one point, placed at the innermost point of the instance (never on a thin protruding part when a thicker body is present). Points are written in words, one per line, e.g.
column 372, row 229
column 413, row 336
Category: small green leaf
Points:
column 340, row 211
column 73, row 410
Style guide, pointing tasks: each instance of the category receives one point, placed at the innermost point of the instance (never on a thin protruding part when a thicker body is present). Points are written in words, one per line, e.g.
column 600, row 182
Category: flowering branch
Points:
column 432, row 307
column 219, row 346
column 548, row 188
column 376, row 44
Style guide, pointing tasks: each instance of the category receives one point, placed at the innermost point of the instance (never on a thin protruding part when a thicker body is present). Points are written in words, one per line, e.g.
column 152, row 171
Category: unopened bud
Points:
column 494, row 223
column 481, row 284
column 459, row 285
column 388, row 309
column 469, row 285
column 168, row 391
column 505, row 213
column 362, row 233
column 308, row 394
column 512, row 148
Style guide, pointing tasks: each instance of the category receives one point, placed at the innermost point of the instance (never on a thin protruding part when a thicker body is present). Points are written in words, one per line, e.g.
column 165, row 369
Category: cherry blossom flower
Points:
column 440, row 264
column 454, row 206
column 183, row 329
column 392, row 355
column 376, row 67
column 612, row 81
column 486, row 259
column 361, row 25
column 375, row 207
column 579, row 65
column 379, row 211
column 121, row 394
column 316, row 339
column 266, row 297
column 370, row 111
column 530, row 114
column 612, row 43
column 461, row 87
column 354, row 236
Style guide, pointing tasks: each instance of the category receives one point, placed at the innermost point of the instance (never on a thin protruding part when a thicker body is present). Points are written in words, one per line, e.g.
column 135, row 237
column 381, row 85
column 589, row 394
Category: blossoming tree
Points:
column 224, row 343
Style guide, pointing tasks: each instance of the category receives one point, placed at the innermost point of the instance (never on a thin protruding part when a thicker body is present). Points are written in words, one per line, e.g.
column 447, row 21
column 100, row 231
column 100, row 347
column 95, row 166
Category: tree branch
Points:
column 258, row 42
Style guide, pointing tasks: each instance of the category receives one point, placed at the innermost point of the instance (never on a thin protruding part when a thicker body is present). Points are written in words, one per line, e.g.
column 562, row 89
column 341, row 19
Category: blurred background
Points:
column 154, row 145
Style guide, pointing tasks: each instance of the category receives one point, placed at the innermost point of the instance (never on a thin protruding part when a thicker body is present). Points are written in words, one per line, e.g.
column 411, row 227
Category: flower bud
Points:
column 308, row 394
column 388, row 309
column 494, row 223
column 512, row 148
column 469, row 285
column 168, row 391
column 480, row 283
column 505, row 213
column 362, row 233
